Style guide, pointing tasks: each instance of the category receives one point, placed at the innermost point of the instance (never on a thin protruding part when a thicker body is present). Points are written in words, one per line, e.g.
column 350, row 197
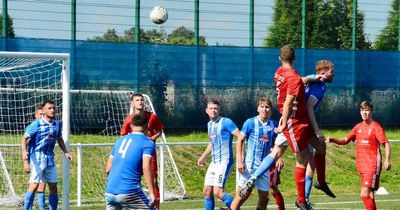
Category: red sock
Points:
column 320, row 165
column 279, row 200
column 369, row 203
column 299, row 179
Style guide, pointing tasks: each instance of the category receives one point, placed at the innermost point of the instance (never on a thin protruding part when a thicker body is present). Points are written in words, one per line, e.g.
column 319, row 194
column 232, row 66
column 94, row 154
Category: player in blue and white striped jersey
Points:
column 41, row 137
column 220, row 132
column 260, row 135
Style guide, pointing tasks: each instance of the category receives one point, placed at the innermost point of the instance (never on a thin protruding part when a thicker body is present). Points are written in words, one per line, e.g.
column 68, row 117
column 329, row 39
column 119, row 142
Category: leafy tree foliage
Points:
column 10, row 28
column 180, row 35
column 388, row 38
column 328, row 25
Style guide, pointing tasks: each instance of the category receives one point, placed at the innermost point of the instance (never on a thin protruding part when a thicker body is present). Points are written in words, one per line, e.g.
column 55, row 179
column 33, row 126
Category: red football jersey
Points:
column 288, row 81
column 155, row 124
column 368, row 138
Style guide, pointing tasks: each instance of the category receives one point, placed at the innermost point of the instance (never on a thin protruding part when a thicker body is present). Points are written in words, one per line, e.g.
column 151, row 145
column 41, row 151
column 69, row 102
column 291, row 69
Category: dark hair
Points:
column 140, row 119
column 264, row 100
column 136, row 95
column 47, row 102
column 366, row 104
column 213, row 101
column 287, row 53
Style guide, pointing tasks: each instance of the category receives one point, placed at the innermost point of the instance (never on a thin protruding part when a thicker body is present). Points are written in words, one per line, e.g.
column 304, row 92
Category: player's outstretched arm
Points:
column 239, row 153
column 387, row 163
column 148, row 177
column 339, row 141
column 202, row 160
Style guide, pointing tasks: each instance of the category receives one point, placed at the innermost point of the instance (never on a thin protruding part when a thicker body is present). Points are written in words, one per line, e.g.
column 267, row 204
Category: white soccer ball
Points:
column 158, row 15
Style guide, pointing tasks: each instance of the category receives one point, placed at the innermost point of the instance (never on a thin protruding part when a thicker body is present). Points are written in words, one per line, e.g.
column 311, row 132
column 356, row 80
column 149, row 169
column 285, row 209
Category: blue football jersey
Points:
column 127, row 167
column 43, row 136
column 317, row 90
column 260, row 138
column 220, row 135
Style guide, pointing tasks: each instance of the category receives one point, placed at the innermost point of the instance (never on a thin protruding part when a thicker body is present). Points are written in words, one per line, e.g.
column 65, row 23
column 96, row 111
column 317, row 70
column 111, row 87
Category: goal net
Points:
column 97, row 125
column 27, row 79
column 94, row 118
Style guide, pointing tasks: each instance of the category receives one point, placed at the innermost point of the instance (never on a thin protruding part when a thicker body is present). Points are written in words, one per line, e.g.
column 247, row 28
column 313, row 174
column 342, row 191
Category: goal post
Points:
column 28, row 78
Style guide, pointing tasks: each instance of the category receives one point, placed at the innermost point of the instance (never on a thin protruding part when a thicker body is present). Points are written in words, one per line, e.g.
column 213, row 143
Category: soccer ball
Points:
column 158, row 15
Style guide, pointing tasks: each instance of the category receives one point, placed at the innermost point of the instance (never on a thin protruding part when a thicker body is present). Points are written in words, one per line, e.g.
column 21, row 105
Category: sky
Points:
column 220, row 22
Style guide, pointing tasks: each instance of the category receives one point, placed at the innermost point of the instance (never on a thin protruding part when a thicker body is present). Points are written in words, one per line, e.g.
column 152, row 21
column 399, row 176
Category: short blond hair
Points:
column 323, row 64
column 264, row 100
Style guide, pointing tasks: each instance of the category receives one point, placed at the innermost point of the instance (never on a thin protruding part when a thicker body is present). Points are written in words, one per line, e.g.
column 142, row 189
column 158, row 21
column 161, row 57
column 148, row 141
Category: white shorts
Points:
column 217, row 174
column 281, row 140
column 262, row 182
column 38, row 175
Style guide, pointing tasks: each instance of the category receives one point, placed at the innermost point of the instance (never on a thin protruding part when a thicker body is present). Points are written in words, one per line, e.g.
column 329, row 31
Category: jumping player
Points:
column 220, row 132
column 315, row 92
column 368, row 136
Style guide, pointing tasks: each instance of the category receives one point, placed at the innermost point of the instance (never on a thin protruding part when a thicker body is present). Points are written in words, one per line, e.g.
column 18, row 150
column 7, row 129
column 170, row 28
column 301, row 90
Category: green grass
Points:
column 341, row 173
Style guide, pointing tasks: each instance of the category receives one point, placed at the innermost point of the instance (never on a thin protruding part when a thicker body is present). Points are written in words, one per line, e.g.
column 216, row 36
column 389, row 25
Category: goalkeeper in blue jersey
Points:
column 220, row 131
column 37, row 148
column 130, row 156
column 260, row 134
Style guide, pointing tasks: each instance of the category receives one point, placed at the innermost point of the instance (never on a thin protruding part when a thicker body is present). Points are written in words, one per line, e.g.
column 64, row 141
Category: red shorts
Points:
column 370, row 180
column 297, row 134
column 275, row 176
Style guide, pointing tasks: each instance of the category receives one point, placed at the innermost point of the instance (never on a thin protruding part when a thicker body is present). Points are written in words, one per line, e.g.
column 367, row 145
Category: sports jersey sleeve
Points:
column 32, row 128
column 59, row 134
column 113, row 151
column 293, row 85
column 246, row 129
column 352, row 135
column 126, row 128
column 230, row 125
column 149, row 149
column 155, row 122
column 317, row 90
column 380, row 134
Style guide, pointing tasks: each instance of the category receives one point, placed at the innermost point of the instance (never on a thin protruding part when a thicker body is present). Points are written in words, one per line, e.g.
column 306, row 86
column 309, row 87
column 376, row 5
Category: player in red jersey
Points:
column 155, row 127
column 293, row 126
column 368, row 136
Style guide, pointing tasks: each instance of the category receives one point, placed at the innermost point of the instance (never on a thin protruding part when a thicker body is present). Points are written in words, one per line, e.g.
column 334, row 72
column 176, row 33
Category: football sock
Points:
column 227, row 199
column 299, row 179
column 369, row 203
column 264, row 166
column 309, row 182
column 29, row 197
column 209, row 203
column 41, row 200
column 53, row 201
column 279, row 200
column 320, row 165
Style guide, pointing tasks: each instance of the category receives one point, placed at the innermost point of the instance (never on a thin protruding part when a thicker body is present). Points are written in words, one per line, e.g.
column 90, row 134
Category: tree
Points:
column 10, row 27
column 329, row 25
column 388, row 37
column 180, row 35
column 184, row 36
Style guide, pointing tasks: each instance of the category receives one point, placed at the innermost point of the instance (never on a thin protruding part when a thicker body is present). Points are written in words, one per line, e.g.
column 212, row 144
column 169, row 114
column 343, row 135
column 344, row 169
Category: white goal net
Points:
column 94, row 120
column 27, row 79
